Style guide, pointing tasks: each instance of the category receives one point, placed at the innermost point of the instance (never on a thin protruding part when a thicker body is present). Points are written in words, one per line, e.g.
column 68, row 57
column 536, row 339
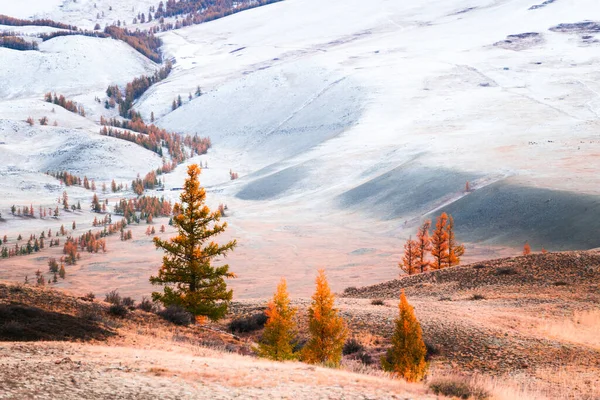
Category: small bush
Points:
column 479, row 266
column 477, row 296
column 118, row 310
column 506, row 271
column 249, row 323
column 560, row 283
column 113, row 297
column 89, row 297
column 350, row 289
column 445, row 299
column 128, row 302
column 365, row 358
column 352, row 346
column 12, row 329
column 16, row 289
column 377, row 302
column 432, row 350
column 90, row 314
column 458, row 388
column 146, row 305
column 176, row 315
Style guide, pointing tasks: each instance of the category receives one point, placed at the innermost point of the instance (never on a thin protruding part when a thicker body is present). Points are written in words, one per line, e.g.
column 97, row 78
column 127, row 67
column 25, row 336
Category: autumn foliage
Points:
column 189, row 279
column 423, row 246
column 277, row 342
column 10, row 21
column 135, row 89
column 410, row 260
column 406, row 358
column 17, row 43
column 68, row 105
column 455, row 251
column 526, row 249
column 441, row 244
column 327, row 329
column 154, row 138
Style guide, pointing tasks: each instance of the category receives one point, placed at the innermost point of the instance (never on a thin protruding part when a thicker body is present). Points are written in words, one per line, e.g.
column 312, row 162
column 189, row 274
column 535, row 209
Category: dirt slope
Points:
column 535, row 318
column 142, row 357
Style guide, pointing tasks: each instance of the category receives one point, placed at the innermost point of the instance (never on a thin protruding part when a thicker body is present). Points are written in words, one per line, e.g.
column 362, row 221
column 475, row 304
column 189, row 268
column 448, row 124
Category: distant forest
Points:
column 10, row 21
column 143, row 41
column 199, row 11
column 17, row 43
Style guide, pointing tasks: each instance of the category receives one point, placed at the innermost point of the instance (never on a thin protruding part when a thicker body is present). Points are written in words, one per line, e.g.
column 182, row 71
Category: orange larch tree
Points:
column 439, row 243
column 409, row 263
column 406, row 358
column 423, row 246
column 455, row 251
column 526, row 249
column 327, row 329
column 277, row 341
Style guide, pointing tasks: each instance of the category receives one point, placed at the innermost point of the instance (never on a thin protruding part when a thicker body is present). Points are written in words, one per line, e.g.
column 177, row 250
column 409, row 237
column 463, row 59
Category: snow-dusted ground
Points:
column 69, row 65
column 389, row 108
column 350, row 125
column 28, row 8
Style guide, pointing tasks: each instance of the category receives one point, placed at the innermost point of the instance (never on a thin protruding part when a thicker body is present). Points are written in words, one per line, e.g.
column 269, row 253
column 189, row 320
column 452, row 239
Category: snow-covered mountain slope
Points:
column 69, row 65
column 81, row 152
column 29, row 8
column 349, row 122
column 388, row 108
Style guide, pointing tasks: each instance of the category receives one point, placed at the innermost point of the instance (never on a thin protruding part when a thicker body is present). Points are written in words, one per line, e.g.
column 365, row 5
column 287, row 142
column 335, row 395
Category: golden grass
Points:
column 557, row 384
column 489, row 388
column 582, row 328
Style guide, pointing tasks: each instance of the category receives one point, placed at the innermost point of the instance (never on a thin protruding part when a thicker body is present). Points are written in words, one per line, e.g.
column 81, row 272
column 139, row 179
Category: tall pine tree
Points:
column 189, row 279
column 277, row 342
column 327, row 329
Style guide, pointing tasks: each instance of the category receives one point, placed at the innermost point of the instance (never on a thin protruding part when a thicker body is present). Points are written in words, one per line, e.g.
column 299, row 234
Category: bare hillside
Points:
column 87, row 353
column 532, row 319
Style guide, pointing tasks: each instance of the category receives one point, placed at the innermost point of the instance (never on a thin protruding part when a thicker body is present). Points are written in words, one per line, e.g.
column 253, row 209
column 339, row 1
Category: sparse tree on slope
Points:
column 406, row 358
column 189, row 279
column 65, row 200
column 96, row 207
column 277, row 342
column 423, row 246
column 526, row 249
column 410, row 258
column 455, row 251
column 327, row 329
column 439, row 243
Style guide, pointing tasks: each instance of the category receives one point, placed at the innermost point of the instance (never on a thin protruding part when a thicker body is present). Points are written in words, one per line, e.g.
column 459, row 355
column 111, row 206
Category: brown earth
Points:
column 141, row 356
column 531, row 320
column 528, row 326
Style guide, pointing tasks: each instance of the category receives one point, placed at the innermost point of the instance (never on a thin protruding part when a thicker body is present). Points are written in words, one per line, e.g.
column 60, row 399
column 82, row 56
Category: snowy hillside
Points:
column 389, row 108
column 351, row 120
column 69, row 65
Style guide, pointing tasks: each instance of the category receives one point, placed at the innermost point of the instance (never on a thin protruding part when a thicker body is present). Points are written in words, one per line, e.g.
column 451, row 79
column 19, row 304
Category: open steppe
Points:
column 524, row 328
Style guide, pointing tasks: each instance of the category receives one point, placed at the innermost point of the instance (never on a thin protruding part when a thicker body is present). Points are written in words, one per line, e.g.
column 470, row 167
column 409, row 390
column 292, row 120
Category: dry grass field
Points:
column 515, row 328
